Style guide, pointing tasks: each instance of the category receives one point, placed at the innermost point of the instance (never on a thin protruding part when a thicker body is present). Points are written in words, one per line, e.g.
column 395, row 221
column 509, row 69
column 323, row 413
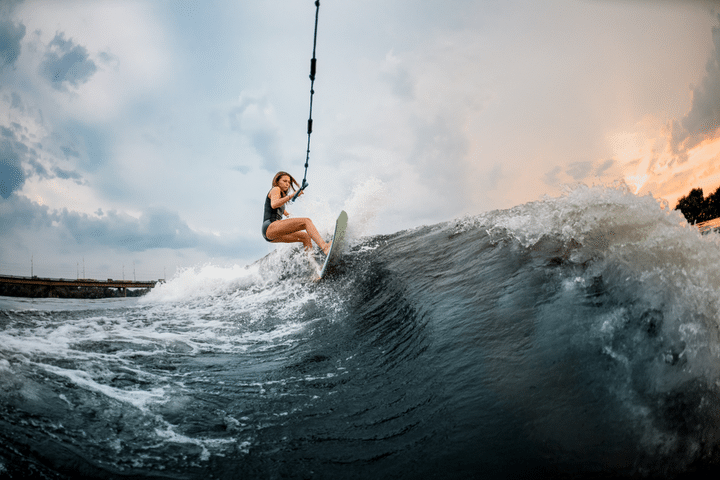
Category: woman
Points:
column 289, row 230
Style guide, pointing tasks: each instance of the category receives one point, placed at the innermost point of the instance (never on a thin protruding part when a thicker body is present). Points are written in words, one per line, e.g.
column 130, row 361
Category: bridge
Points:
column 122, row 285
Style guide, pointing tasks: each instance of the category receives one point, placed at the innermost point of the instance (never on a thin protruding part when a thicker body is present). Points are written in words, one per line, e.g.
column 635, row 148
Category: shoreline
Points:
column 63, row 291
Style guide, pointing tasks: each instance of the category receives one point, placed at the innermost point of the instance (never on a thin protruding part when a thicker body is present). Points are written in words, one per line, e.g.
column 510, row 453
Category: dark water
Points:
column 573, row 337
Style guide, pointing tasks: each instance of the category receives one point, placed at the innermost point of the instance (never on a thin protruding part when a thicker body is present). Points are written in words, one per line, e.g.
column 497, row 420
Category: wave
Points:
column 572, row 336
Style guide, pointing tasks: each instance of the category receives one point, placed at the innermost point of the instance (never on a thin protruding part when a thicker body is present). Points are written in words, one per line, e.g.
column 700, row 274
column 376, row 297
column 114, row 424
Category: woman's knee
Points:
column 304, row 222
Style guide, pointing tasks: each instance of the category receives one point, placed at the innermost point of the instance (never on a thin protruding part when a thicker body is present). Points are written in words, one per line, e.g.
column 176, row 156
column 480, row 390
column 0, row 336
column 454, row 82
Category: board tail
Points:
column 338, row 242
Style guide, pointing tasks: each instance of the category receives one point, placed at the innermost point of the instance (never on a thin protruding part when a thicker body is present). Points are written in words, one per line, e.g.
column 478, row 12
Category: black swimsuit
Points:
column 270, row 215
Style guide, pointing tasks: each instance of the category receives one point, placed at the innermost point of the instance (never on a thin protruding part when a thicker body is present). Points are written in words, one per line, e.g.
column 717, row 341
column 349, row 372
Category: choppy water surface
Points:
column 570, row 337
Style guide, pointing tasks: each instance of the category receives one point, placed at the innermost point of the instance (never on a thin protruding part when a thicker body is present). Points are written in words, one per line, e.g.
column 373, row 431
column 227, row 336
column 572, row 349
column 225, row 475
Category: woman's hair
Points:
column 279, row 175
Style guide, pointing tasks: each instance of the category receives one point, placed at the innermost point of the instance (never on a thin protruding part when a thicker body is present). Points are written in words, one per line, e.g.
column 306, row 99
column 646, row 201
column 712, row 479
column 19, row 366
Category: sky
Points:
column 141, row 137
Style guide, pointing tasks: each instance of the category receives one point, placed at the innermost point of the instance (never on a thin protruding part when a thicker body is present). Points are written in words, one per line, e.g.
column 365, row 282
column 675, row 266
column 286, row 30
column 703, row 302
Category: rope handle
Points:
column 305, row 184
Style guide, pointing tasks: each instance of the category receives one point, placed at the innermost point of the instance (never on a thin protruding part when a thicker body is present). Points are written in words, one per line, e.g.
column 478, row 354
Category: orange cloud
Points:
column 670, row 161
column 649, row 164
column 700, row 168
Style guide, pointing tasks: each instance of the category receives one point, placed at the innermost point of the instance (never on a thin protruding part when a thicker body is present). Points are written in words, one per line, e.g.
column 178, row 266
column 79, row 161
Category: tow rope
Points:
column 313, row 67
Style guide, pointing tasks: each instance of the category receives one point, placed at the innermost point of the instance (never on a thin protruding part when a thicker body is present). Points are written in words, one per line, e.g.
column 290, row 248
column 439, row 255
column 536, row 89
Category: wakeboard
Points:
column 338, row 242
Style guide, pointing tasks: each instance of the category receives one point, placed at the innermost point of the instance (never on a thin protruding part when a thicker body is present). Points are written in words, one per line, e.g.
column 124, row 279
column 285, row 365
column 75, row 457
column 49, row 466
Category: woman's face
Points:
column 284, row 183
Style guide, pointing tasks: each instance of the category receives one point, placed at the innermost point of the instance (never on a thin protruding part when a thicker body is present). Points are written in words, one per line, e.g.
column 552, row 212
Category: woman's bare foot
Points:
column 326, row 249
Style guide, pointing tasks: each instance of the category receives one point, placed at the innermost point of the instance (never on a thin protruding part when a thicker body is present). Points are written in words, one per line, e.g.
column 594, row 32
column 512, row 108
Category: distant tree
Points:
column 713, row 205
column 693, row 206
column 696, row 208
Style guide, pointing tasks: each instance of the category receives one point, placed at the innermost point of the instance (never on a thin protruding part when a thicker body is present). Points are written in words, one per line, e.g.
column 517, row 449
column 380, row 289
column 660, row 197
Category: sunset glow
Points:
column 671, row 176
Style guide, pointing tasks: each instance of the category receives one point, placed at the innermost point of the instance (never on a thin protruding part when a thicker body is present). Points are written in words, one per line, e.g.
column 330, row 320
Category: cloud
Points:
column 439, row 149
column 579, row 170
column 12, row 176
column 241, row 168
column 16, row 102
column 65, row 63
column 19, row 213
column 604, row 167
column 88, row 144
column 14, row 154
column 17, row 156
column 156, row 228
column 551, row 177
column 668, row 161
column 463, row 114
column 255, row 120
column 10, row 36
column 660, row 157
column 703, row 119
column 106, row 240
column 67, row 174
column 70, row 152
column 402, row 83
column 494, row 177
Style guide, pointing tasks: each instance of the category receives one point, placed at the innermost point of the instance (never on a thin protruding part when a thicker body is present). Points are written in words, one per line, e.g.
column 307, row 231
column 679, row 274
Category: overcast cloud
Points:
column 66, row 64
column 703, row 119
column 146, row 133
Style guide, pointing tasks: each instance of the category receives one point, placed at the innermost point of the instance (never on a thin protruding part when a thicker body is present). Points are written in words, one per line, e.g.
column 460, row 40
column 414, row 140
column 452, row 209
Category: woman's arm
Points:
column 276, row 201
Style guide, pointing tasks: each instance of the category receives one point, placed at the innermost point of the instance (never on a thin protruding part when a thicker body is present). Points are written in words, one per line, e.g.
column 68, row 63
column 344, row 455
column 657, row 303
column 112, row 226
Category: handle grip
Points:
column 305, row 184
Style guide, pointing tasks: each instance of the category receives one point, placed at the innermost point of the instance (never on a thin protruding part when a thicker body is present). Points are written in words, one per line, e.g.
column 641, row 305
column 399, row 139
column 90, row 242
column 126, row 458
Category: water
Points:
column 572, row 337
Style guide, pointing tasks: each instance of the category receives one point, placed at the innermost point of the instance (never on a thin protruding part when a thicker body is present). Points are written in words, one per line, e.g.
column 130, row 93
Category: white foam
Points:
column 638, row 242
column 203, row 281
column 170, row 435
column 137, row 398
column 367, row 199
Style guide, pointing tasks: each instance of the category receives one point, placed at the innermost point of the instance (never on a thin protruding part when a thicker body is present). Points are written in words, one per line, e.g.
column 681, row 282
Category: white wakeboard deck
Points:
column 338, row 241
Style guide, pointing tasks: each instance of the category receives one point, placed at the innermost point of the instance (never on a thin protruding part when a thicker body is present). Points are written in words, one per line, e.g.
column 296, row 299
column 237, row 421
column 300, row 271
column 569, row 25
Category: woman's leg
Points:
column 290, row 230
column 301, row 237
